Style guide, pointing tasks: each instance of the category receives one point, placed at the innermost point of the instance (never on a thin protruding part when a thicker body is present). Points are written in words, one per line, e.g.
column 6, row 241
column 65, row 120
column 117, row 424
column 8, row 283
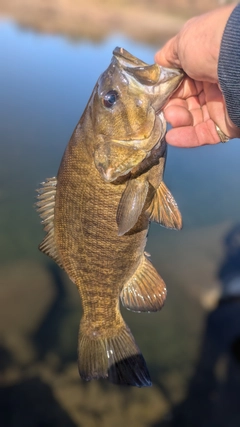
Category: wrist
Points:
column 207, row 35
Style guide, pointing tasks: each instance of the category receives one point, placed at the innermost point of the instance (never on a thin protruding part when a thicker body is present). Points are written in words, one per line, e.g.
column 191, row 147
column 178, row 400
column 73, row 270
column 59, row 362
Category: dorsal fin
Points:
column 45, row 207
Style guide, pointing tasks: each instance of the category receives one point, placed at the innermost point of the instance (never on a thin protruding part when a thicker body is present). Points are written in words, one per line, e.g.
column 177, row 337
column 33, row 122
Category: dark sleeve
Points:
column 229, row 66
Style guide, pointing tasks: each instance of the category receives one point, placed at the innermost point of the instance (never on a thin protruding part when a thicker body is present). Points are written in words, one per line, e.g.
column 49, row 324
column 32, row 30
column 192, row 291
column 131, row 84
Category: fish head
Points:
column 126, row 112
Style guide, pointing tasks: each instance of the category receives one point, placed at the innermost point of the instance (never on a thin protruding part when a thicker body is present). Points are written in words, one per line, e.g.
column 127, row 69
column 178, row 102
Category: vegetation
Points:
column 144, row 20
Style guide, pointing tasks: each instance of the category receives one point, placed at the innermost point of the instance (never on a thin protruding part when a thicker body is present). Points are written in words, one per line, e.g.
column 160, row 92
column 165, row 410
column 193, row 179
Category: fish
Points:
column 97, row 210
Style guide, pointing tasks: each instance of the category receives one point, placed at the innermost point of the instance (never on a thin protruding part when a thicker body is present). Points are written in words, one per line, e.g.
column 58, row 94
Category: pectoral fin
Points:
column 164, row 209
column 131, row 204
column 146, row 290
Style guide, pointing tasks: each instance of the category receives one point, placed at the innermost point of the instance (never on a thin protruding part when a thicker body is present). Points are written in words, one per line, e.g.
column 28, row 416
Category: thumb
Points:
column 168, row 55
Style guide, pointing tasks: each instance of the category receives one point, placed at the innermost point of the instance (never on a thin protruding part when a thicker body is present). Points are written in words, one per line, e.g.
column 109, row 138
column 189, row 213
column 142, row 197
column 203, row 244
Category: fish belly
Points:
column 97, row 260
column 102, row 264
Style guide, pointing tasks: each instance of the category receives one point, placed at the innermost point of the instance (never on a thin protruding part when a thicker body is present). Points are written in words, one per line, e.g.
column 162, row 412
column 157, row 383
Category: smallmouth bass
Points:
column 96, row 212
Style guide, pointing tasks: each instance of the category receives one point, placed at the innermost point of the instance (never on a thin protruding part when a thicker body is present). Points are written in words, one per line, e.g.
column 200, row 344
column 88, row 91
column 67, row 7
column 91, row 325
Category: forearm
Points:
column 229, row 66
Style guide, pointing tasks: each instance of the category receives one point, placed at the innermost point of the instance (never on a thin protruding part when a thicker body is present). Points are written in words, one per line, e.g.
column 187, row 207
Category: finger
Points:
column 193, row 136
column 168, row 56
column 185, row 113
column 188, row 88
column 178, row 115
column 217, row 110
column 231, row 130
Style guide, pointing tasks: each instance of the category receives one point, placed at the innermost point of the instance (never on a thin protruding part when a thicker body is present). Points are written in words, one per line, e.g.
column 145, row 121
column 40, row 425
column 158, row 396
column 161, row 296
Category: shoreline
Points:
column 96, row 19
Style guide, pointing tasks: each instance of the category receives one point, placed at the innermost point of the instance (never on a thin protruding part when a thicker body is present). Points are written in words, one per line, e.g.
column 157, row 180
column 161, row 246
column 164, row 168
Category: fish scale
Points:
column 96, row 213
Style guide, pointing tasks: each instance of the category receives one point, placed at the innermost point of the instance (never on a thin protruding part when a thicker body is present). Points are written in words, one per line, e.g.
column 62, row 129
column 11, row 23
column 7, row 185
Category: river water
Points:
column 45, row 85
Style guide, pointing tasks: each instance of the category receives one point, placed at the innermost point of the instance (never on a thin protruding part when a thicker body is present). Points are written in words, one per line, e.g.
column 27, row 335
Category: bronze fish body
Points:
column 96, row 213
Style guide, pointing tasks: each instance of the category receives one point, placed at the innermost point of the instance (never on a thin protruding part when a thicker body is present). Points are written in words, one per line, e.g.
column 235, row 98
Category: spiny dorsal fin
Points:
column 145, row 291
column 131, row 204
column 45, row 207
column 164, row 209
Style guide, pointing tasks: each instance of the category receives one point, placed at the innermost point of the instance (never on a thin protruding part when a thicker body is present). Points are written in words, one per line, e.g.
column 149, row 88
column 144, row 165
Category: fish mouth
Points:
column 157, row 80
column 148, row 75
column 116, row 158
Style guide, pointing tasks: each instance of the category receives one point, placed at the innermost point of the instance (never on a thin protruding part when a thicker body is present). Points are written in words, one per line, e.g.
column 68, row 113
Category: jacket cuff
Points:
column 229, row 65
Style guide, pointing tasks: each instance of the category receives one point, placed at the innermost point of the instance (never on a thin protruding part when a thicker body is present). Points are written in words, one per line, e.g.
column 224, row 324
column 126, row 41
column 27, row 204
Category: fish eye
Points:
column 110, row 98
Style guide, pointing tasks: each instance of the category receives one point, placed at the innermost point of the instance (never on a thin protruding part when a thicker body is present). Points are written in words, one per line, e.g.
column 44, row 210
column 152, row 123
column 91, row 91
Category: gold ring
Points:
column 223, row 137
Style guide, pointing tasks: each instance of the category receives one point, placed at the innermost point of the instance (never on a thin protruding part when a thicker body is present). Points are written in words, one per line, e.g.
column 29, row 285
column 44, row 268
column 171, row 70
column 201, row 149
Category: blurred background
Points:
column 52, row 52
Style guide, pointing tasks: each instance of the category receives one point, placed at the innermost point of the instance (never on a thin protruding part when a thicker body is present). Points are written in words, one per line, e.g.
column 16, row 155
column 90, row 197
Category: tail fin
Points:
column 117, row 358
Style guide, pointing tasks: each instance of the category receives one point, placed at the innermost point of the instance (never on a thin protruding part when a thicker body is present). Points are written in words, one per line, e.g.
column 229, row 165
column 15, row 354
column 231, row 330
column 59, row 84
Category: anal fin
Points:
column 164, row 210
column 45, row 207
column 145, row 291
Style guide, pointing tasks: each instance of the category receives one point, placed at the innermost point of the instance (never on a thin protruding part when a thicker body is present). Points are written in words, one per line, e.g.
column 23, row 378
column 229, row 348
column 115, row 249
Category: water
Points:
column 46, row 82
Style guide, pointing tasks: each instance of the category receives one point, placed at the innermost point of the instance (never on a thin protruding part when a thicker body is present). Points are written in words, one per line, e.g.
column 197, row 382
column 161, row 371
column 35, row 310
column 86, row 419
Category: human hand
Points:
column 198, row 105
column 194, row 111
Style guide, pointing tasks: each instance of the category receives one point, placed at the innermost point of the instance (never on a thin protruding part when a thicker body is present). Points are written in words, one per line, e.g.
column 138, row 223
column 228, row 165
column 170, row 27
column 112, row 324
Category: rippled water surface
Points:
column 45, row 85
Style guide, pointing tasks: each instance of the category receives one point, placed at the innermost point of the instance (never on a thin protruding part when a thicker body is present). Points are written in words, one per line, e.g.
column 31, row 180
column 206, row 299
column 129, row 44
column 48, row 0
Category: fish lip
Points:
column 167, row 74
column 122, row 141
column 167, row 85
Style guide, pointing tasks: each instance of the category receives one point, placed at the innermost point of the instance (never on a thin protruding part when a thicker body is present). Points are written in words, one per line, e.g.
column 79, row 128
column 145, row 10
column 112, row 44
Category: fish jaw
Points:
column 169, row 80
column 157, row 81
column 135, row 124
column 114, row 159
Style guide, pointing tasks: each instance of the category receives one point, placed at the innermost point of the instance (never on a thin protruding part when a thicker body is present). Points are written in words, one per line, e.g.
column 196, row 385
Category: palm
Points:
column 193, row 111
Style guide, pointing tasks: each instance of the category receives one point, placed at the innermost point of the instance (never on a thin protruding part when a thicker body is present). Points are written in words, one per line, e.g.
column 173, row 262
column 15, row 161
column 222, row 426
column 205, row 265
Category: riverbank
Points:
column 148, row 22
